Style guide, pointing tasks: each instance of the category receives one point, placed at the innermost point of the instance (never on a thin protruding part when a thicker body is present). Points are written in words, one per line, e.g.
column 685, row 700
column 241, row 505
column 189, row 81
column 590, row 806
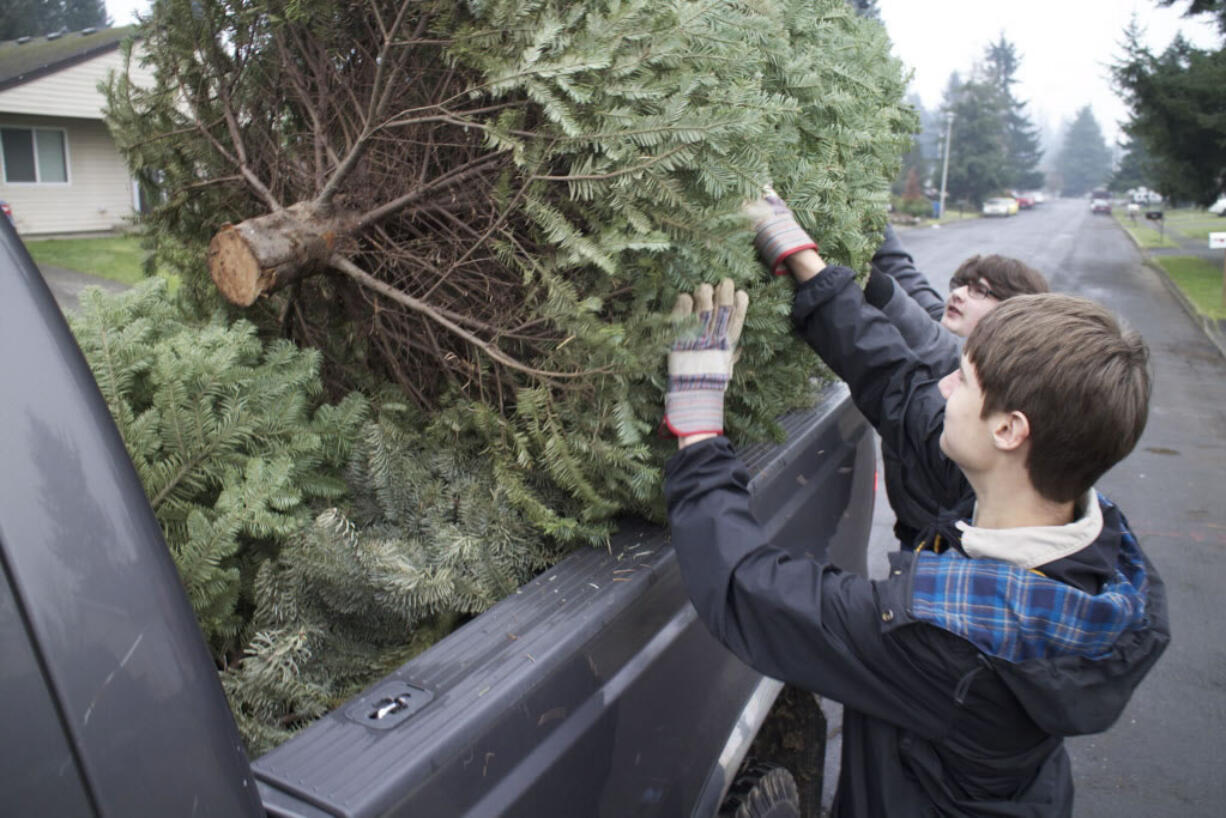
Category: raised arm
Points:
column 893, row 260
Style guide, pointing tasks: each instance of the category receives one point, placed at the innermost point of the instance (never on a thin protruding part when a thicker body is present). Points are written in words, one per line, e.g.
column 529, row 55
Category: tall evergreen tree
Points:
column 978, row 154
column 1177, row 103
column 1136, row 169
column 1023, row 151
column 1084, row 162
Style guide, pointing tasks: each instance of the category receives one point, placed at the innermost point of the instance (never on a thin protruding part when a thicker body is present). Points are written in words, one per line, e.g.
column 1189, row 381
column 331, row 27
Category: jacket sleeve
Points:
column 894, row 260
column 793, row 619
column 890, row 385
column 930, row 341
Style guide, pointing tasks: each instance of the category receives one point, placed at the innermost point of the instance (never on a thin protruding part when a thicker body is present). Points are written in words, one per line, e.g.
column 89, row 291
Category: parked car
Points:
column 1100, row 202
column 593, row 689
column 999, row 207
column 1218, row 208
column 7, row 210
column 1024, row 201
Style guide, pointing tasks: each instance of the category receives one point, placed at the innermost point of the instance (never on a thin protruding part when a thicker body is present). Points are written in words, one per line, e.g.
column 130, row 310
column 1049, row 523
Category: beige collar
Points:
column 1033, row 546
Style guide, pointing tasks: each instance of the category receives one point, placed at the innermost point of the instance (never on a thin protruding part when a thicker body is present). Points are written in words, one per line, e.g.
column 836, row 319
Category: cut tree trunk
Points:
column 264, row 254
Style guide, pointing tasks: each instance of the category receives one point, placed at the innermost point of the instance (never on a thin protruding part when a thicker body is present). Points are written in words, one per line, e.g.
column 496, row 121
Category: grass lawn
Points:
column 119, row 258
column 1145, row 234
column 1200, row 280
column 1195, row 223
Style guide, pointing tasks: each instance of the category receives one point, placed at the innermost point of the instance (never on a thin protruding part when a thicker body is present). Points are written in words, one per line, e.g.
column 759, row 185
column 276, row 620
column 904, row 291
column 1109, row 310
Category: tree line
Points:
column 1177, row 112
column 994, row 145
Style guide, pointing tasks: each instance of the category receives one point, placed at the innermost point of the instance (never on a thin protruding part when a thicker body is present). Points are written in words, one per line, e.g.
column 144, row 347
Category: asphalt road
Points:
column 1167, row 754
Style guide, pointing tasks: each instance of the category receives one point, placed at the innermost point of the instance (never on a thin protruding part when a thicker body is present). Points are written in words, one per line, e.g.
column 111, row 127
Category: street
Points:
column 1166, row 755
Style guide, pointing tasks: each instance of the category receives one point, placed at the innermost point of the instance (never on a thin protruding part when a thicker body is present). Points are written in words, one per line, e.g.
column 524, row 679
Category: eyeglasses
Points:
column 975, row 289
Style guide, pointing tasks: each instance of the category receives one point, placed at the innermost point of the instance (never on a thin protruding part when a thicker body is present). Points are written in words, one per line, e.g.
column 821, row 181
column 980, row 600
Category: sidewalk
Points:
column 1214, row 329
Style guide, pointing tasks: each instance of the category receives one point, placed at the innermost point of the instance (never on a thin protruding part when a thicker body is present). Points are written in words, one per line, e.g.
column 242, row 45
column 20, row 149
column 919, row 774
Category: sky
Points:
column 1066, row 48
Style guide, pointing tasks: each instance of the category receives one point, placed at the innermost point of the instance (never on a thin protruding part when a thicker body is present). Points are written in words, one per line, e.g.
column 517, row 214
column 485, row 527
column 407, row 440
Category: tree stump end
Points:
column 234, row 267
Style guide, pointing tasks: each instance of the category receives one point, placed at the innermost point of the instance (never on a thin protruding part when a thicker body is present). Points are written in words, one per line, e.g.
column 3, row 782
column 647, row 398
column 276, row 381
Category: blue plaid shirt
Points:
column 1016, row 614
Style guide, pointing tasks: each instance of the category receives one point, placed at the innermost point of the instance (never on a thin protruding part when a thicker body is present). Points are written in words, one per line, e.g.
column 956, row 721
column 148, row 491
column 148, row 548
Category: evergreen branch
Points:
column 611, row 174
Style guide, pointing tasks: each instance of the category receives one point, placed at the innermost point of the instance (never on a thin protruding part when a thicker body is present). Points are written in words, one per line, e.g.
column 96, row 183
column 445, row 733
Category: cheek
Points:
column 976, row 310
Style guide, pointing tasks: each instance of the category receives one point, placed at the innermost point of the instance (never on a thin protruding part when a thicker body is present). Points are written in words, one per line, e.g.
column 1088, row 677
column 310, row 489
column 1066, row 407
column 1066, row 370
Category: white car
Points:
column 996, row 207
column 1218, row 208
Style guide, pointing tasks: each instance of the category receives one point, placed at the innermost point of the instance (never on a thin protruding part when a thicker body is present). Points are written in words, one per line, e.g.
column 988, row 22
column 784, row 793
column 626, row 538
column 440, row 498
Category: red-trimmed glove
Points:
column 700, row 363
column 777, row 233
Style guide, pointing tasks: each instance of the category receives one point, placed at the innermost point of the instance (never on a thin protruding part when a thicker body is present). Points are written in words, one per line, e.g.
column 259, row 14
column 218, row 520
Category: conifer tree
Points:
column 1084, row 161
column 978, row 155
column 1021, row 136
column 228, row 435
column 490, row 201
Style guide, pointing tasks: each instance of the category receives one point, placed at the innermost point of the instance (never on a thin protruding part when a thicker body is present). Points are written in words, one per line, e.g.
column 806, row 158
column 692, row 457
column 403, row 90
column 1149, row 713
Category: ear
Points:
column 1010, row 430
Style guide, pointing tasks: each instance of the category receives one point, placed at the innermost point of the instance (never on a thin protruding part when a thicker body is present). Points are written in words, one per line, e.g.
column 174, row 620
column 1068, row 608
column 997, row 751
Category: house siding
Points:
column 72, row 91
column 98, row 194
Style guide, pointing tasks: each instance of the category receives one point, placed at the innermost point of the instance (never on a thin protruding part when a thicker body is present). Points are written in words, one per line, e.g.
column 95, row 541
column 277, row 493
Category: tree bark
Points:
column 264, row 254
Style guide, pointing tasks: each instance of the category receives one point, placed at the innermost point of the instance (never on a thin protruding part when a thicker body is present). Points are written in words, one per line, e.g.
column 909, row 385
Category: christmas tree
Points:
column 487, row 204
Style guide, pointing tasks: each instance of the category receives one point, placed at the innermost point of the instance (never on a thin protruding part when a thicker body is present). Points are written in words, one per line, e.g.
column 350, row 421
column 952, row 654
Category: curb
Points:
column 1209, row 326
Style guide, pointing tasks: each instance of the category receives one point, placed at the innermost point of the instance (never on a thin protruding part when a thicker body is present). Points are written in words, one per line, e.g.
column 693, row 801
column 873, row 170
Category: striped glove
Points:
column 777, row 234
column 700, row 363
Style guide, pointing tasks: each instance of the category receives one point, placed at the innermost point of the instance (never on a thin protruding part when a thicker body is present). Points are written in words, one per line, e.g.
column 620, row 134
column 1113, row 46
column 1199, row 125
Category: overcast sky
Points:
column 1065, row 46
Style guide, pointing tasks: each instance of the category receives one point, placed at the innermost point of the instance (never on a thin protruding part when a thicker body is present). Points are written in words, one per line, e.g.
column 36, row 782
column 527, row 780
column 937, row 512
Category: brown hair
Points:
column 1081, row 380
column 1007, row 277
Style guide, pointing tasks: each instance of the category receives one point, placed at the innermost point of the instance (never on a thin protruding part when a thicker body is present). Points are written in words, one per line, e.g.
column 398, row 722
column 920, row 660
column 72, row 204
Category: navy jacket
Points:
column 914, row 308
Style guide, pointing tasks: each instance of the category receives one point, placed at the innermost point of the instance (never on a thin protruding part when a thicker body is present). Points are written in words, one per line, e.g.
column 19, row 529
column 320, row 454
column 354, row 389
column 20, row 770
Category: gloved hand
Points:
column 700, row 363
column 777, row 234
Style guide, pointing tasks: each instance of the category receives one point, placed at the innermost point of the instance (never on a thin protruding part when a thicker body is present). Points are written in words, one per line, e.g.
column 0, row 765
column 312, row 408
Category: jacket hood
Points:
column 1071, row 657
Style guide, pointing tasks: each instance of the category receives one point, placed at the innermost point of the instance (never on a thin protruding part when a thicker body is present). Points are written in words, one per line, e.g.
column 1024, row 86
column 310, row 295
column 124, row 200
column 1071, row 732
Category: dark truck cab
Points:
column 592, row 690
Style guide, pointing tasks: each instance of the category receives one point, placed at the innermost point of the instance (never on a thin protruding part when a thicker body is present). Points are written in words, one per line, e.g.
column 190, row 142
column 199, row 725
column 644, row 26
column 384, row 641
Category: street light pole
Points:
column 949, row 129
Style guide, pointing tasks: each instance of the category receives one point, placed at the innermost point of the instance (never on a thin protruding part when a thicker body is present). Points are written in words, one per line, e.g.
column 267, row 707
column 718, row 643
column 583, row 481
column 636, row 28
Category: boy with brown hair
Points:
column 1028, row 611
column 935, row 331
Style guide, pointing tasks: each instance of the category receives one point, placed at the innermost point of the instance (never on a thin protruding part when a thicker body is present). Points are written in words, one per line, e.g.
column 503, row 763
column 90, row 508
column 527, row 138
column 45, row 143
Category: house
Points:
column 59, row 168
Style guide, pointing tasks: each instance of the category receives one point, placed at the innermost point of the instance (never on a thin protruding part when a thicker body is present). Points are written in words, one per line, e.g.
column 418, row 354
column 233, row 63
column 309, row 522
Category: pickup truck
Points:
column 591, row 690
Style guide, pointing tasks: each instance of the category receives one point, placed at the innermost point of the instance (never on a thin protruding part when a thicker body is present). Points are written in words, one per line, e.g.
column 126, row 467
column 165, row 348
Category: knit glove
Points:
column 777, row 235
column 700, row 363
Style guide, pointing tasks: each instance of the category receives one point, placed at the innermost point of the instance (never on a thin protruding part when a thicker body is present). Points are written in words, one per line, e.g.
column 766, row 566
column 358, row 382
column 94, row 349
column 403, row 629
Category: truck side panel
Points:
column 592, row 691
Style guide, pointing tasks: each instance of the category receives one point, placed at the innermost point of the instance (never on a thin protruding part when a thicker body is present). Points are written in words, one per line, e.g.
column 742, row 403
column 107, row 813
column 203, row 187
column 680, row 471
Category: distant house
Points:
column 59, row 169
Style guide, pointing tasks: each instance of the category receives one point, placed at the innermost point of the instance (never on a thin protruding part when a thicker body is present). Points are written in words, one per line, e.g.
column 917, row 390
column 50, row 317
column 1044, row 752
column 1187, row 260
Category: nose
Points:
column 946, row 384
column 958, row 294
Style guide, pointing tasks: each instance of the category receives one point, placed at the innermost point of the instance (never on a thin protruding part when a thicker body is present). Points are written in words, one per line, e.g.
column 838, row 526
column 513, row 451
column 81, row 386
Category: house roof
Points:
column 28, row 59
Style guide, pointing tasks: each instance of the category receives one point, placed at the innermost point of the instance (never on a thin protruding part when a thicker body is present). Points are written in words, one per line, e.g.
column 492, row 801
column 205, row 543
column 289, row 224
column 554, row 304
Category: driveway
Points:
column 66, row 285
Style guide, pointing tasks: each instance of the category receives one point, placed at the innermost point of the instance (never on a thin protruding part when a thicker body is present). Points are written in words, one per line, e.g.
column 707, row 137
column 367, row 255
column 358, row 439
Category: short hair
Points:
column 1081, row 379
column 1007, row 277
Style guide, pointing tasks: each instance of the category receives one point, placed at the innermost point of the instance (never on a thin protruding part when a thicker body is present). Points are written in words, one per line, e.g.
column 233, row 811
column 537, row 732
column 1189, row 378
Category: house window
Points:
column 34, row 155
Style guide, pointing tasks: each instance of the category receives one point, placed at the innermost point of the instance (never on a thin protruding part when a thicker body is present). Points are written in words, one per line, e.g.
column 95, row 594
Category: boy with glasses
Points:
column 934, row 331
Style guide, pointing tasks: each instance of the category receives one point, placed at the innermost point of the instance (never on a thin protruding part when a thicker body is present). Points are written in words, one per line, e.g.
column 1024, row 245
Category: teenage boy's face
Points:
column 967, row 437
column 963, row 310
